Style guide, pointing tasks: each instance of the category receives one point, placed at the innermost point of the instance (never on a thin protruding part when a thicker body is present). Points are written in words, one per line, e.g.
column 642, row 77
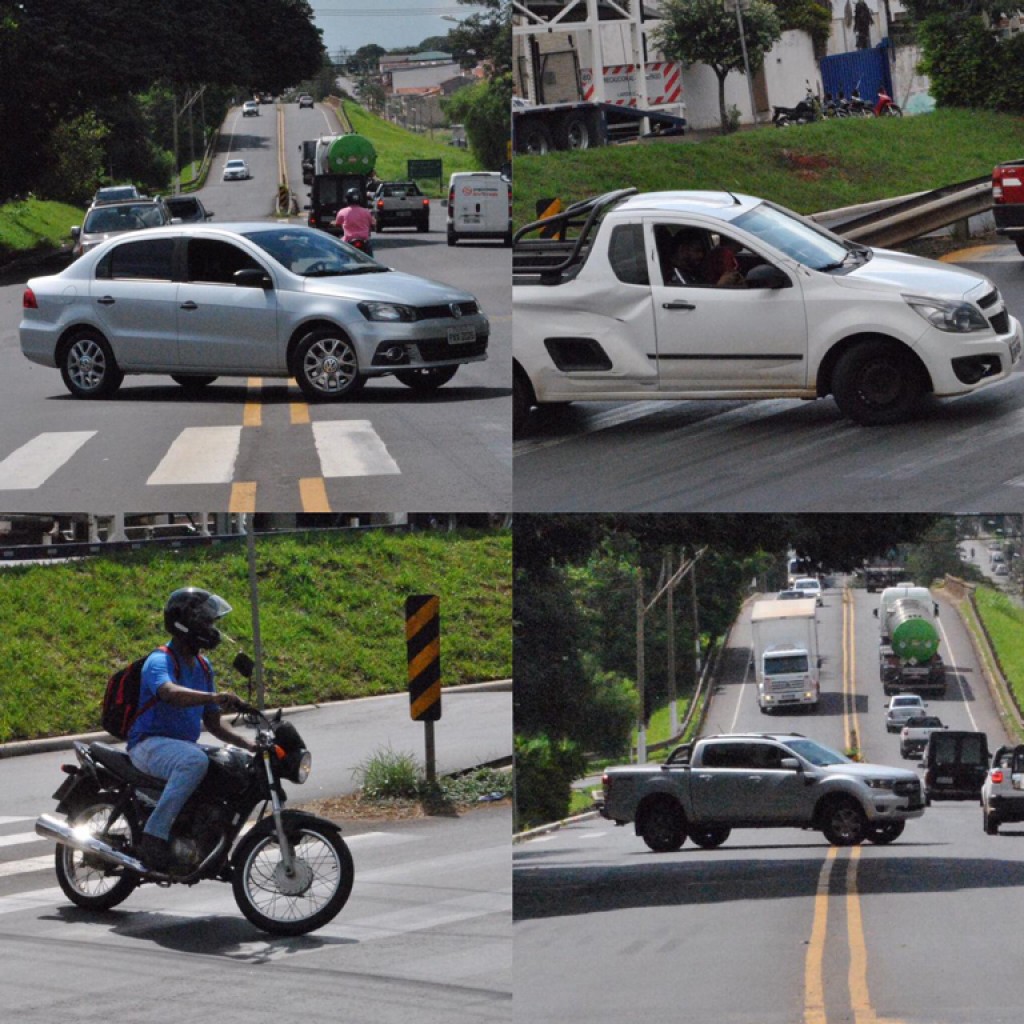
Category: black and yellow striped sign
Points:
column 423, row 644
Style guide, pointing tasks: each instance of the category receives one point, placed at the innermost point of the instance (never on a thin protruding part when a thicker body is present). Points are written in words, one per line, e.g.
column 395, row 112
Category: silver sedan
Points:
column 198, row 302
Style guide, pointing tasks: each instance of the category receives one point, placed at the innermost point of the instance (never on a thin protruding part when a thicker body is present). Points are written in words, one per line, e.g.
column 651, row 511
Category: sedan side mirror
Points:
column 76, row 233
column 768, row 276
column 252, row 278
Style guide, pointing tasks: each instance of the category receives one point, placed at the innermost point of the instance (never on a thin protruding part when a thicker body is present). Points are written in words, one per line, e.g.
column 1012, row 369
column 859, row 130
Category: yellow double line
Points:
column 814, row 969
column 312, row 490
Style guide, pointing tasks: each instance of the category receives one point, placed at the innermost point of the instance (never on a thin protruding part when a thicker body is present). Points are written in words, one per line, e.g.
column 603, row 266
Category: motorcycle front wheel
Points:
column 295, row 904
column 86, row 880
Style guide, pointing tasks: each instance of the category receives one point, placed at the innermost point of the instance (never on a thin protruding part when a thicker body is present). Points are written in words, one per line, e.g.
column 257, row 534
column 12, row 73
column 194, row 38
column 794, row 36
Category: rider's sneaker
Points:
column 155, row 853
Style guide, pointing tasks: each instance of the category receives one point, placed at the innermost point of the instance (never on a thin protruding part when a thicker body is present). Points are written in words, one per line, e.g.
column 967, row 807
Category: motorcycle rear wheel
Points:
column 87, row 881
column 314, row 895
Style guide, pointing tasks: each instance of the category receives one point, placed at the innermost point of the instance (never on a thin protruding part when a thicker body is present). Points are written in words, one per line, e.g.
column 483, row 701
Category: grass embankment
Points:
column 27, row 224
column 395, row 146
column 331, row 615
column 808, row 168
column 1004, row 622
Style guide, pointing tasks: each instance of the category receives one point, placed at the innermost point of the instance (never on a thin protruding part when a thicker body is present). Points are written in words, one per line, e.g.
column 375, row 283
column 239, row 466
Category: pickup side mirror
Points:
column 768, row 276
column 790, row 763
column 252, row 278
column 76, row 233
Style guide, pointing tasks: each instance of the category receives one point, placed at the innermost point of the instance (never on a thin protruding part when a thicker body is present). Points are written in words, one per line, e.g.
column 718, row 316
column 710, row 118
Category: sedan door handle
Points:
column 189, row 305
column 678, row 305
column 107, row 300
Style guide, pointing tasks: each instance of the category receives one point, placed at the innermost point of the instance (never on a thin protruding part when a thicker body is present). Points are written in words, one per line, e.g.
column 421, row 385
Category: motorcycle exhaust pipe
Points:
column 83, row 840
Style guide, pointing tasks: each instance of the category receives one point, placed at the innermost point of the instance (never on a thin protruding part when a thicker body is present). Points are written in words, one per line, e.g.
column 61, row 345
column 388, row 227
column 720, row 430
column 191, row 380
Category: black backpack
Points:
column 121, row 697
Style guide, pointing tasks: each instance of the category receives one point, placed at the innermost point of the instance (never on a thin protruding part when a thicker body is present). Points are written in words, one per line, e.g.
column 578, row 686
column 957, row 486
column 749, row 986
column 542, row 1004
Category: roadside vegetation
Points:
column 331, row 617
column 813, row 167
column 1004, row 624
column 30, row 224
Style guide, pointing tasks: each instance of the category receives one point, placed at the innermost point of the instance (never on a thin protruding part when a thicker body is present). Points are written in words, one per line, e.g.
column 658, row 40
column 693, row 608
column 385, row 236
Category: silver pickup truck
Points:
column 760, row 780
column 401, row 204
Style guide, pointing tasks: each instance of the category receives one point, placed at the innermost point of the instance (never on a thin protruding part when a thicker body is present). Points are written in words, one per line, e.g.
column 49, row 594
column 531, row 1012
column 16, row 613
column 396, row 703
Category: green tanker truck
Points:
column 340, row 163
column 909, row 659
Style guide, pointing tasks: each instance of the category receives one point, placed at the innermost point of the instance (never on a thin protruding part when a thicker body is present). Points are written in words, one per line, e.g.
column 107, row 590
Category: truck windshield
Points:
column 796, row 238
column 816, row 753
column 785, row 664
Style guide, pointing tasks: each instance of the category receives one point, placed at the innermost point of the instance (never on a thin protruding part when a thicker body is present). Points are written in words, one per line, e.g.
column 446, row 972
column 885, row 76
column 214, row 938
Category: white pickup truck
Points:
column 760, row 780
column 603, row 311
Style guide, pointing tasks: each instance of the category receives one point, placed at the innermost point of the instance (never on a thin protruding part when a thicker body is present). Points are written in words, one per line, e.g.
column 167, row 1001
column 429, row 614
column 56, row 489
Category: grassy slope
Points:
column 1005, row 624
column 331, row 612
column 808, row 168
column 30, row 223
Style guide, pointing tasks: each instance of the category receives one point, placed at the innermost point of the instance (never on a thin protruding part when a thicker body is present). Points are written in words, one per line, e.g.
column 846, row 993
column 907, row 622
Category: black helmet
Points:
column 352, row 196
column 192, row 614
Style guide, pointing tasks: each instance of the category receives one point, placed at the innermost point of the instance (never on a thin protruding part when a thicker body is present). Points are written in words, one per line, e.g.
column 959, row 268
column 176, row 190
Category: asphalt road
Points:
column 776, row 927
column 783, row 455
column 255, row 444
column 425, row 936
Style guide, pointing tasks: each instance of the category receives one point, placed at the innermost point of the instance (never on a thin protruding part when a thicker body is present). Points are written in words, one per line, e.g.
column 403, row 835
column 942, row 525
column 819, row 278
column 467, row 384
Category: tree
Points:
column 486, row 111
column 485, row 36
column 706, row 32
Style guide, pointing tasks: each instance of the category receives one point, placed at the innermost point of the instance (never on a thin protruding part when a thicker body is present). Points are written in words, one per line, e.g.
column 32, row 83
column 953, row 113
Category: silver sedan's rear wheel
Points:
column 326, row 366
column 88, row 367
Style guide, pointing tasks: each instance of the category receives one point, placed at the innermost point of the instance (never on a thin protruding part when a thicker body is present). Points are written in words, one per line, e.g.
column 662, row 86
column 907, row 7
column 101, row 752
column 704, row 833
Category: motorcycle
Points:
column 885, row 107
column 364, row 245
column 858, row 106
column 290, row 873
column 807, row 110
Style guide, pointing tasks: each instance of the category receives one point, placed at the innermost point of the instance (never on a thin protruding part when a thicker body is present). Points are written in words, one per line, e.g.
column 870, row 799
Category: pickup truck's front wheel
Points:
column 711, row 837
column 876, row 384
column 843, row 823
column 887, row 833
column 663, row 826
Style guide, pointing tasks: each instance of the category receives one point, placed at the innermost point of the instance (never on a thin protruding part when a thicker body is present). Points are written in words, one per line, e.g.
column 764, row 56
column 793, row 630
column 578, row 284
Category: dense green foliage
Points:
column 485, row 110
column 545, row 768
column 331, row 614
column 823, row 166
column 1004, row 623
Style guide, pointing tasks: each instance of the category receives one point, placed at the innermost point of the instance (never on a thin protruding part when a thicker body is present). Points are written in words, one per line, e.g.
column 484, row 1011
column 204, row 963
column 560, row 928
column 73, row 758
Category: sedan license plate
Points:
column 461, row 335
column 945, row 780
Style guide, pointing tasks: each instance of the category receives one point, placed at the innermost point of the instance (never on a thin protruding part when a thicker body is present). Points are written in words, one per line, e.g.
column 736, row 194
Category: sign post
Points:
column 426, row 169
column 423, row 649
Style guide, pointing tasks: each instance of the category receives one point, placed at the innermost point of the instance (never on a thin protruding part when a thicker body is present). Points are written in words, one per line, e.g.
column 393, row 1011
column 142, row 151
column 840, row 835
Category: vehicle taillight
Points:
column 997, row 776
column 28, row 300
column 605, row 781
column 380, row 204
column 451, row 196
column 426, row 202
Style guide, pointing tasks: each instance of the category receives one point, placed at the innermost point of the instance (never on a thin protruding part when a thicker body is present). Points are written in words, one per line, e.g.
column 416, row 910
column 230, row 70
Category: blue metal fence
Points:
column 865, row 70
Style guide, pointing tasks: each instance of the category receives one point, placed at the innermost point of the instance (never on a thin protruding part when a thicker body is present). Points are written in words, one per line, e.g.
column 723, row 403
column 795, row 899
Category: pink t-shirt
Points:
column 355, row 221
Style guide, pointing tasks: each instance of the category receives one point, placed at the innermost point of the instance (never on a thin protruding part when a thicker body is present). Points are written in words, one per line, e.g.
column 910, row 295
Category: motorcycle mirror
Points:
column 243, row 664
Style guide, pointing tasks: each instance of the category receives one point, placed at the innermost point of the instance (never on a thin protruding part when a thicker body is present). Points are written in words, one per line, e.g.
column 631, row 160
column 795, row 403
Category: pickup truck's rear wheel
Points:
column 843, row 823
column 887, row 833
column 875, row 383
column 711, row 837
column 991, row 823
column 663, row 827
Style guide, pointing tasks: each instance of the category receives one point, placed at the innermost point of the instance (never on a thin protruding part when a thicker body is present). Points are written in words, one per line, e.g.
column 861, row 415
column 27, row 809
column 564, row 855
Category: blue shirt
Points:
column 163, row 719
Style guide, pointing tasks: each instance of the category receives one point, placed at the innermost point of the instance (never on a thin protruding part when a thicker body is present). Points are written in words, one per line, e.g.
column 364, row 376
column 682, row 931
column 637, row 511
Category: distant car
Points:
column 1002, row 792
column 267, row 97
column 790, row 595
column 809, row 587
column 305, row 100
column 955, row 765
column 915, row 733
column 115, row 193
column 114, row 218
column 262, row 298
column 1002, row 569
column 188, row 209
column 236, row 170
column 250, row 108
column 901, row 707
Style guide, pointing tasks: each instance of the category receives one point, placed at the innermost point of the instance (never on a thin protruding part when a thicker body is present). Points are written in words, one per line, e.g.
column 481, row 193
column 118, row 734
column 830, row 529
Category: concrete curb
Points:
column 540, row 830
column 48, row 744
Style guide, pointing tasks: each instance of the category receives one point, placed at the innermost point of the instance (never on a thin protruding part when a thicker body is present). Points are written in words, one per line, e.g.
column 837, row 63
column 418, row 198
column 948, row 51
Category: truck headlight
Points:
column 880, row 783
column 953, row 317
column 389, row 312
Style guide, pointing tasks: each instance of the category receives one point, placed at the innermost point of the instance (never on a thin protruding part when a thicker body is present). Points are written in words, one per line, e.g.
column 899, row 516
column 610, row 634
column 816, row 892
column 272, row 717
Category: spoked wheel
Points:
column 887, row 833
column 845, row 824
column 326, row 366
column 307, row 899
column 88, row 367
column 426, row 379
column 86, row 880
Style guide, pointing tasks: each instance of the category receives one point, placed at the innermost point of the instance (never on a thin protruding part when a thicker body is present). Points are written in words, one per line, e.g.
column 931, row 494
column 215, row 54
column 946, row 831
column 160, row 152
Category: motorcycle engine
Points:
column 196, row 832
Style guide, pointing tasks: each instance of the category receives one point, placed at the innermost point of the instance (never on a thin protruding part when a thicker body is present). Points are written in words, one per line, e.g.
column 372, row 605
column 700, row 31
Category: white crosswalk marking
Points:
column 200, row 455
column 21, row 867
column 18, row 838
column 32, row 464
column 351, row 448
column 13, row 821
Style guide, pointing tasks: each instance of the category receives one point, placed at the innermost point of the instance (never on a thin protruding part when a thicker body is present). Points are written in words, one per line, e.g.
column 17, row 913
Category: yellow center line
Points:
column 814, row 977
column 252, row 414
column 299, row 412
column 313, row 495
column 243, row 497
column 860, row 998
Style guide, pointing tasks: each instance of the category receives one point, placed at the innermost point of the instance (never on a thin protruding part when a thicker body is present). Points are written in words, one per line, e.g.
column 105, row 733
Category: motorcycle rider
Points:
column 177, row 697
column 355, row 220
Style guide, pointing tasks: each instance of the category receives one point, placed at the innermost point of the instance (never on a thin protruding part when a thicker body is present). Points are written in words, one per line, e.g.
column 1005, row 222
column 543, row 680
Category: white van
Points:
column 479, row 206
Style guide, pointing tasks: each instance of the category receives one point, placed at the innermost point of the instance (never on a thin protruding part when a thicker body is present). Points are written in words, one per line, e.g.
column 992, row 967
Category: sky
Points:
column 389, row 23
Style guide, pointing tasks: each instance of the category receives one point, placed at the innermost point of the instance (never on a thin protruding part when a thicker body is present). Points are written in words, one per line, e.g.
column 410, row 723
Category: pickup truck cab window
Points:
column 626, row 254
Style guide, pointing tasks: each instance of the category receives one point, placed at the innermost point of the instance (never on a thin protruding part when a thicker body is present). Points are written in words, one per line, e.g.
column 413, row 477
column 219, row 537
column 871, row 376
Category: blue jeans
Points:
column 182, row 764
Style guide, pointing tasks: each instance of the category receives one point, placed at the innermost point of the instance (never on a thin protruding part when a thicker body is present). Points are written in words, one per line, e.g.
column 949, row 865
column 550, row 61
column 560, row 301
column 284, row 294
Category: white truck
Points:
column 785, row 653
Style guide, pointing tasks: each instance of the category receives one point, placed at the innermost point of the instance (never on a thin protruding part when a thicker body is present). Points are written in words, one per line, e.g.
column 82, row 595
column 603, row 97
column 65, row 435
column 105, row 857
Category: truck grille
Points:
column 910, row 788
column 435, row 350
column 445, row 312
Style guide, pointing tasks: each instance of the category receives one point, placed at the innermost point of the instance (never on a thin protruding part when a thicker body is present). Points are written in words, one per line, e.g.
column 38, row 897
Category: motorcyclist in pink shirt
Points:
column 356, row 222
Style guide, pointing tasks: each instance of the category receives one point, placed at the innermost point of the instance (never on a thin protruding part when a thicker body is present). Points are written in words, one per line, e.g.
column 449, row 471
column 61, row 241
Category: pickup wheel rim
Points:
column 846, row 824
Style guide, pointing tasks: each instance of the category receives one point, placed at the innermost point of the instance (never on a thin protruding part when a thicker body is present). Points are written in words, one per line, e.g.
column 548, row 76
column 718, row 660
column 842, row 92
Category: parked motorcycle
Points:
column 807, row 110
column 885, row 106
column 290, row 873
column 859, row 107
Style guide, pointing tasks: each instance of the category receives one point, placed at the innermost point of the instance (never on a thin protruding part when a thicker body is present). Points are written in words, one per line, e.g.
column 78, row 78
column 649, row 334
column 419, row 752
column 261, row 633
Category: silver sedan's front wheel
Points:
column 88, row 367
column 326, row 366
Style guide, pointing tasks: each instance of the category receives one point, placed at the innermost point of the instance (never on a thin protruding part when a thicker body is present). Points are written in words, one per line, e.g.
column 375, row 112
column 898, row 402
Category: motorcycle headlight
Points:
column 304, row 767
column 388, row 312
column 952, row 317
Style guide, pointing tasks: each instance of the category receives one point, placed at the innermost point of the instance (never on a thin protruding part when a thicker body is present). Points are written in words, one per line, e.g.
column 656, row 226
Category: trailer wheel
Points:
column 575, row 132
column 535, row 139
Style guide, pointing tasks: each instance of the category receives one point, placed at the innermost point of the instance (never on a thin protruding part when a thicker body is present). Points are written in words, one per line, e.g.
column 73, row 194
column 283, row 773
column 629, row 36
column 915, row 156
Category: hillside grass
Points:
column 331, row 618
column 1004, row 622
column 808, row 168
column 396, row 145
column 27, row 224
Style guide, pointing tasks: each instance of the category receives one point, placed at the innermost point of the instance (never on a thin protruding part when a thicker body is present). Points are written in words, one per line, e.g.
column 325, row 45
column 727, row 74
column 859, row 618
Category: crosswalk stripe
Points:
column 21, row 867
column 13, row 821
column 32, row 464
column 200, row 455
column 351, row 448
column 18, row 838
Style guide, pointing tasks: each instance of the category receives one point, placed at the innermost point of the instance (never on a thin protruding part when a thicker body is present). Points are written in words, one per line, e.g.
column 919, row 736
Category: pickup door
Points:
column 743, row 782
column 713, row 338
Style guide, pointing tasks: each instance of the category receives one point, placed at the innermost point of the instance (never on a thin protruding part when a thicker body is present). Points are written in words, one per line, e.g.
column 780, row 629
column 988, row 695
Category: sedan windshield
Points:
column 816, row 753
column 123, row 218
column 798, row 239
column 312, row 253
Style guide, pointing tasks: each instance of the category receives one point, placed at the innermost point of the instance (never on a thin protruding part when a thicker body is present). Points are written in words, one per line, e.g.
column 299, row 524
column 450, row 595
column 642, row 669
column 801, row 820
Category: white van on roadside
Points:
column 479, row 206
